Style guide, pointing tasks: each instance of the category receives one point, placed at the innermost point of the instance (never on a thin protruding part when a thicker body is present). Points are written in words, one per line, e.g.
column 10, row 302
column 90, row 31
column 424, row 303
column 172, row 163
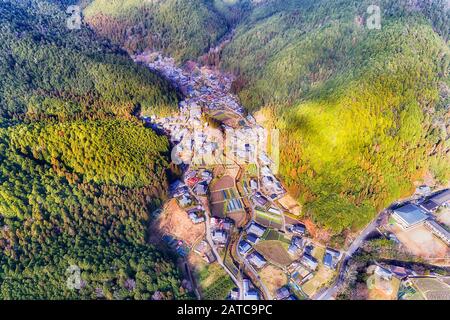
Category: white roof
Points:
column 256, row 229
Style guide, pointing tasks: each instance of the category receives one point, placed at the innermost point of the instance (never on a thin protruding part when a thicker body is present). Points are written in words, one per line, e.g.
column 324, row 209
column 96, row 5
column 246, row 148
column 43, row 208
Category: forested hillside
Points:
column 69, row 73
column 79, row 176
column 184, row 29
column 363, row 112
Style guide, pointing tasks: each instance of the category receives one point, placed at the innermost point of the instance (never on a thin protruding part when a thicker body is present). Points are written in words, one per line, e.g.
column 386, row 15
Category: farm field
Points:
column 225, row 199
column 273, row 278
column 409, row 293
column 432, row 289
column 274, row 251
column 321, row 277
column 268, row 219
column 213, row 282
column 272, row 234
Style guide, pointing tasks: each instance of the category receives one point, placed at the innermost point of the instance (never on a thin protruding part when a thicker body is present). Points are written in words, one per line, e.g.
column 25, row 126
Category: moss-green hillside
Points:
column 79, row 175
column 48, row 70
column 359, row 110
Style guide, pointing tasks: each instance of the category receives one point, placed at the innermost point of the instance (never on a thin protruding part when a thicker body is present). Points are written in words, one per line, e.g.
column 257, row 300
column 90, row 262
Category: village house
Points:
column 256, row 229
column 259, row 199
column 234, row 294
column 331, row 258
column 257, row 260
column 185, row 200
column 294, row 250
column 310, row 262
column 201, row 189
column 178, row 188
column 196, row 217
column 249, row 292
column 423, row 190
column 227, row 224
column 283, row 293
column 253, row 239
column 254, row 184
column 244, row 247
column 439, row 199
column 298, row 229
column 383, row 273
column 219, row 237
column 296, row 246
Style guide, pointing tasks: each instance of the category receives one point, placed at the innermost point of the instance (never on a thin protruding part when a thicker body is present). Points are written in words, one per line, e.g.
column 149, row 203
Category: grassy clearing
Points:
column 214, row 282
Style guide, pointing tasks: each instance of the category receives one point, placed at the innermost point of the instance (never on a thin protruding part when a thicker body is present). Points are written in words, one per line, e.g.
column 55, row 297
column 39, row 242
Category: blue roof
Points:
column 244, row 246
column 441, row 197
column 252, row 238
column 411, row 213
column 328, row 260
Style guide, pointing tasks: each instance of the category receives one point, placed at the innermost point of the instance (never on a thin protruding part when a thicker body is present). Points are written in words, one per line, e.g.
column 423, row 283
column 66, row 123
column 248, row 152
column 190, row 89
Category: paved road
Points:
column 355, row 245
column 249, row 267
column 238, row 283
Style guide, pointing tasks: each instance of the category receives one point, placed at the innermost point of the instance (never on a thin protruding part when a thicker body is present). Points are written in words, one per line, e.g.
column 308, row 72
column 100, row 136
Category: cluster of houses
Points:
column 182, row 193
column 195, row 183
column 253, row 234
column 270, row 185
column 194, row 142
column 305, row 265
column 412, row 214
column 203, row 85
column 198, row 181
column 208, row 89
column 220, row 230
column 384, row 273
column 246, row 143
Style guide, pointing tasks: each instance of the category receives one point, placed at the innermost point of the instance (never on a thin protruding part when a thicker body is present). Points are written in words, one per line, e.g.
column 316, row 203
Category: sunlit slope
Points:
column 359, row 109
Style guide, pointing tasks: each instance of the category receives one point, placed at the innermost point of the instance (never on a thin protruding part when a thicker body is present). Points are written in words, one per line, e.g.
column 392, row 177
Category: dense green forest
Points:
column 69, row 73
column 114, row 152
column 184, row 29
column 363, row 112
column 79, row 176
